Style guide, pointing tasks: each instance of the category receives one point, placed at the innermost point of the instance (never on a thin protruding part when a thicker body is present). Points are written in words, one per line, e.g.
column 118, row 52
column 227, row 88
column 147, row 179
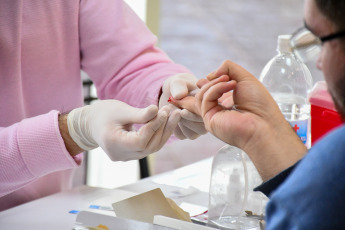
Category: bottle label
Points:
column 301, row 128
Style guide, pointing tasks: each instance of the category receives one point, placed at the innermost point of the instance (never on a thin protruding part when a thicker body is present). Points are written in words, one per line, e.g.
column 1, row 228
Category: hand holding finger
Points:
column 199, row 96
column 210, row 103
column 164, row 132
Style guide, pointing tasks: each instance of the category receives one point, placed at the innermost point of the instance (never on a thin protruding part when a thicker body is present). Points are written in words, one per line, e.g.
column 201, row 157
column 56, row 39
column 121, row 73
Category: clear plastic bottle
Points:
column 229, row 190
column 289, row 81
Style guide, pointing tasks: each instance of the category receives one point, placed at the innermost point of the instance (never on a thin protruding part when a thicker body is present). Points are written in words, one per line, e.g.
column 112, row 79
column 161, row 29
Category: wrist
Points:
column 71, row 146
column 275, row 150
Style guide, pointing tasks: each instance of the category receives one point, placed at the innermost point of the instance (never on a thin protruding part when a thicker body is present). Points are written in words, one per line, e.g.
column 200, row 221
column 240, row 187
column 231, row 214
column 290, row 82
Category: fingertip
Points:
column 173, row 101
column 178, row 94
column 167, row 108
column 154, row 124
column 163, row 114
column 176, row 114
column 151, row 109
column 224, row 78
column 211, row 76
column 178, row 89
column 184, row 112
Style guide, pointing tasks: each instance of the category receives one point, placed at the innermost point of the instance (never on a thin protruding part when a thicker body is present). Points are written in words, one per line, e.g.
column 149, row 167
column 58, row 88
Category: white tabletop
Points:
column 187, row 184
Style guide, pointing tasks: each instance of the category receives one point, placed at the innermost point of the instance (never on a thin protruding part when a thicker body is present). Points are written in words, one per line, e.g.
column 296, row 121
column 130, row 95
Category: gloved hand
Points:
column 179, row 86
column 108, row 124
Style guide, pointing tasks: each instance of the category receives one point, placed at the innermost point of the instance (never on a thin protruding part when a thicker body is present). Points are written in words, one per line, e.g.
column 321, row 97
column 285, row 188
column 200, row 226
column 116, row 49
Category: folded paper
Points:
column 145, row 206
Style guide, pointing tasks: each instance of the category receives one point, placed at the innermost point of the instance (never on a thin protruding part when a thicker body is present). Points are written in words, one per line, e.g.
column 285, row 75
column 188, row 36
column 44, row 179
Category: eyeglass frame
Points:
column 319, row 40
column 327, row 37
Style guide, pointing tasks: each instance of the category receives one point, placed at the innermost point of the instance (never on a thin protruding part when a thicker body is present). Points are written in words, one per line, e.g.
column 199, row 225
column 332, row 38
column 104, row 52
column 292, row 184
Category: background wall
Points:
column 201, row 34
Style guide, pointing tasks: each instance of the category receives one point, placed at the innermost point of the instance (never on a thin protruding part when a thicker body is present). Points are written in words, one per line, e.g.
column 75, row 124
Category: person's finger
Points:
column 147, row 131
column 223, row 69
column 210, row 99
column 234, row 71
column 134, row 115
column 202, row 82
column 227, row 100
column 197, row 127
column 188, row 115
column 179, row 88
column 187, row 103
column 160, row 138
column 132, row 142
column 193, row 92
column 171, row 125
column 178, row 133
column 199, row 96
column 155, row 139
column 188, row 133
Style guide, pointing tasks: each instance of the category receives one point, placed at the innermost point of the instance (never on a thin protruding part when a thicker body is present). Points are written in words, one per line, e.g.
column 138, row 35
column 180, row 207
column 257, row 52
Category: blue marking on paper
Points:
column 74, row 211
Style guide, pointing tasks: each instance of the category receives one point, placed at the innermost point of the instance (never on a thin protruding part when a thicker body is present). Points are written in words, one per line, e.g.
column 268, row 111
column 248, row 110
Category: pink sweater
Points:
column 43, row 47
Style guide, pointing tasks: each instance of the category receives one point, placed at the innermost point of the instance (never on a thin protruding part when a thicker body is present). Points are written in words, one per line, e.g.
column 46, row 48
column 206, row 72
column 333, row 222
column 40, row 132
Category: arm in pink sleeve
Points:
column 119, row 54
column 30, row 149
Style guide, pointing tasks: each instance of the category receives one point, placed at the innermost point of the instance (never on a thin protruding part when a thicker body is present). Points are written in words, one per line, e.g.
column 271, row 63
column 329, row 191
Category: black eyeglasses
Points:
column 307, row 45
column 328, row 37
column 332, row 36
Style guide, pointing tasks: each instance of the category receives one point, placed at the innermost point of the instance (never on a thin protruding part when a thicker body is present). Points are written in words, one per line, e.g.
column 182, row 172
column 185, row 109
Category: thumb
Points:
column 178, row 88
column 141, row 116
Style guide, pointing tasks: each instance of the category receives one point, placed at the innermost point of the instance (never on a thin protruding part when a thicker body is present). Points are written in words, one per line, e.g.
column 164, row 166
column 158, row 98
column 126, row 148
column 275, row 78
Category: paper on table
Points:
column 113, row 196
column 89, row 220
column 145, row 206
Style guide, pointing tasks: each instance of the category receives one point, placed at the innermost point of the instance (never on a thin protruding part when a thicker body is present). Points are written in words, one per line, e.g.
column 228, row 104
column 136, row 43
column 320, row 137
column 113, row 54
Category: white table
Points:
column 187, row 184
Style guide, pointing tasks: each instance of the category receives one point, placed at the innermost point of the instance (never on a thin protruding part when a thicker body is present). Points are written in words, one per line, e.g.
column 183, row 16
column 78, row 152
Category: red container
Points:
column 324, row 117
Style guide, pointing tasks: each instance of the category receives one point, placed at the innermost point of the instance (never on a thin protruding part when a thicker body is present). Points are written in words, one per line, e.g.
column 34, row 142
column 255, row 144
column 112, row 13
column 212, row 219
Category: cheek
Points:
column 327, row 63
column 319, row 62
column 334, row 73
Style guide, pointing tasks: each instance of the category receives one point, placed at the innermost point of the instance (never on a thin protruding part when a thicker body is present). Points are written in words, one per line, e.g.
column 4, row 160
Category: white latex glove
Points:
column 178, row 86
column 108, row 124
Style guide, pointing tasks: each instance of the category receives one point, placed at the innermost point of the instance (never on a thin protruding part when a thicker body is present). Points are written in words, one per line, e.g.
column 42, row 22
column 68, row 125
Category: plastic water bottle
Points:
column 289, row 81
column 233, row 178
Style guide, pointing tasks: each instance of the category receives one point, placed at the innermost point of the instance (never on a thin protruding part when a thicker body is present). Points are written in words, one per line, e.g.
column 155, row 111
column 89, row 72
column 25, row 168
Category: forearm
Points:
column 139, row 67
column 71, row 146
column 30, row 149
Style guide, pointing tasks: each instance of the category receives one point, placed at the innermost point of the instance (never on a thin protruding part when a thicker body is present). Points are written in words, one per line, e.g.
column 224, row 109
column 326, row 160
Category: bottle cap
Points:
column 284, row 44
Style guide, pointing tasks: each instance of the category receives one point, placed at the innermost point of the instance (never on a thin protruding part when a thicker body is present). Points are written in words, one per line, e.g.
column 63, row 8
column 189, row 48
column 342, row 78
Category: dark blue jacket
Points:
column 311, row 194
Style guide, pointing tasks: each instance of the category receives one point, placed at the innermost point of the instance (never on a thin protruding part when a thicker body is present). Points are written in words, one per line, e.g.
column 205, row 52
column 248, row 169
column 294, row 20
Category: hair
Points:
column 334, row 10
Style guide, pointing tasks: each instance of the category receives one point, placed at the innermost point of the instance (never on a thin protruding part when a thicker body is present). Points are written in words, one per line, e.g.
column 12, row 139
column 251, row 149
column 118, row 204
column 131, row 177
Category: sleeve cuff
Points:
column 272, row 184
column 42, row 146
